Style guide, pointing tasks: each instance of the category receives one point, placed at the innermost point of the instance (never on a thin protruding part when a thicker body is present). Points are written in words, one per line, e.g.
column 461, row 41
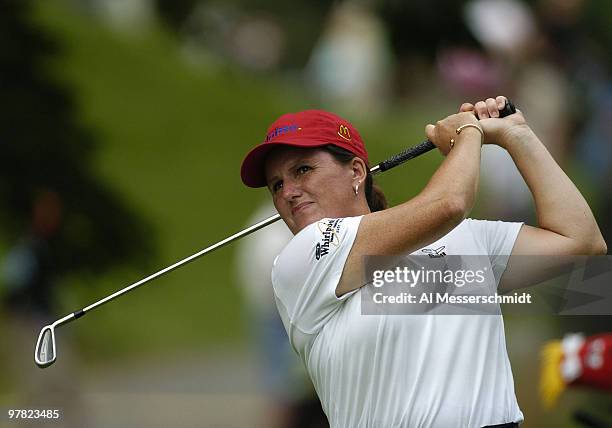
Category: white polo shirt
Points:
column 395, row 370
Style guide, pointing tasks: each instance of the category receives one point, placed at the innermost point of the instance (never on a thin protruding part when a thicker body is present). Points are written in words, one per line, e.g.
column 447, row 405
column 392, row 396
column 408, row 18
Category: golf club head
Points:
column 44, row 354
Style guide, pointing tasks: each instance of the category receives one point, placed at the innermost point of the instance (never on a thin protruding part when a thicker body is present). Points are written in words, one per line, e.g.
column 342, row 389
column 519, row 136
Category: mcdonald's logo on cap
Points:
column 344, row 132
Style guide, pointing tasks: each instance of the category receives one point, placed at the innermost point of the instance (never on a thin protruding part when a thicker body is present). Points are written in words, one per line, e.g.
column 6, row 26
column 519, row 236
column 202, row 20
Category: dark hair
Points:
column 374, row 194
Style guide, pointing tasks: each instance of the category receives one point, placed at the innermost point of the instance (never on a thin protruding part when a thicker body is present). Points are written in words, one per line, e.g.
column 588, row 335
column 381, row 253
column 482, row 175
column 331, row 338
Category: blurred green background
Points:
column 169, row 116
column 174, row 137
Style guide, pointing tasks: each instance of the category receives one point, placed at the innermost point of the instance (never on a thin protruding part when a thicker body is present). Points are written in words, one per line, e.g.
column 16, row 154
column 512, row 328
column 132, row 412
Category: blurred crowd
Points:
column 360, row 58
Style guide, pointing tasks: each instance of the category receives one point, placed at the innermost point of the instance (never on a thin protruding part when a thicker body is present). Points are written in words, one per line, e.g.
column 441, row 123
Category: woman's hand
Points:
column 500, row 131
column 444, row 130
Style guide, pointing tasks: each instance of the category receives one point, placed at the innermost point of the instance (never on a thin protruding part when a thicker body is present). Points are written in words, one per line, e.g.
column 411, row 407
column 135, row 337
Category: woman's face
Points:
column 308, row 185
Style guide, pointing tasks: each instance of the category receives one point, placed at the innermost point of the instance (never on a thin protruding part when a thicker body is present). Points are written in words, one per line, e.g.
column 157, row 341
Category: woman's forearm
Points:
column 458, row 176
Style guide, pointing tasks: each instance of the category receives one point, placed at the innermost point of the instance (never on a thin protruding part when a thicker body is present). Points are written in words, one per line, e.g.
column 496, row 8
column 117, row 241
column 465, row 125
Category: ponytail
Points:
column 374, row 195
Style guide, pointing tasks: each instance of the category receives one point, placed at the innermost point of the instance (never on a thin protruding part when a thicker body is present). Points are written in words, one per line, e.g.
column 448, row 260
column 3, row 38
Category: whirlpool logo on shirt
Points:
column 329, row 230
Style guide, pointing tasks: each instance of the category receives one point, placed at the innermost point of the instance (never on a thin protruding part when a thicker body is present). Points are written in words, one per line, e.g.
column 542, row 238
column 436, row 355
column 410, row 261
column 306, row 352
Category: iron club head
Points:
column 44, row 354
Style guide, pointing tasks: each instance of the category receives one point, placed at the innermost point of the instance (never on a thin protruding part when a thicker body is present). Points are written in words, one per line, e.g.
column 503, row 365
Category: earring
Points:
column 357, row 188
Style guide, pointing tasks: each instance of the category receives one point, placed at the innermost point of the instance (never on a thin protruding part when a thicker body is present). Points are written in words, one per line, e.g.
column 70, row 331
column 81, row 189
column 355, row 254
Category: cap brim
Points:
column 253, row 172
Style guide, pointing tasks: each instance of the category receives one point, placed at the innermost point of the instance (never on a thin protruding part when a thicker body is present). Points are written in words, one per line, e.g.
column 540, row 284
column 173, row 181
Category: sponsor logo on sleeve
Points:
column 330, row 232
column 435, row 253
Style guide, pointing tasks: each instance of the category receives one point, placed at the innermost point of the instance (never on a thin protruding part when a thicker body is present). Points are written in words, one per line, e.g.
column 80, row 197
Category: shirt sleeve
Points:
column 306, row 273
column 498, row 238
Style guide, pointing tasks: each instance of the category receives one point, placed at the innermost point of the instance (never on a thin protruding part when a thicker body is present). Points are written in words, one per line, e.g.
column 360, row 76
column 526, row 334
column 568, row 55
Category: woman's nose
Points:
column 290, row 190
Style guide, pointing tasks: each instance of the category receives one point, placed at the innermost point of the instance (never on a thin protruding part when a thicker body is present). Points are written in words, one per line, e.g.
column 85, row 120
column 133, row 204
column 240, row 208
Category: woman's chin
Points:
column 307, row 219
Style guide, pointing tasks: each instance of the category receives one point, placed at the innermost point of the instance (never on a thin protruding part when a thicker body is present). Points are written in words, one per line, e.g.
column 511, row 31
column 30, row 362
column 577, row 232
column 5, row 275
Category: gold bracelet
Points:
column 468, row 125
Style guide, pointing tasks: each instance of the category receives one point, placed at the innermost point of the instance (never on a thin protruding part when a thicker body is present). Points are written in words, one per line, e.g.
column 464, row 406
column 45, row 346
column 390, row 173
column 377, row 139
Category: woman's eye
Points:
column 303, row 169
column 277, row 186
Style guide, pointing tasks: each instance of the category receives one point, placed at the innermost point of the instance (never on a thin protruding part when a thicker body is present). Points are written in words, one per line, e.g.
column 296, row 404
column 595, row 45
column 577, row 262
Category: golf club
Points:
column 45, row 352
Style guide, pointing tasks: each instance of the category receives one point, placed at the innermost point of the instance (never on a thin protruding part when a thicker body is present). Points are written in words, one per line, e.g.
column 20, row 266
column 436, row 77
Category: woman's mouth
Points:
column 299, row 207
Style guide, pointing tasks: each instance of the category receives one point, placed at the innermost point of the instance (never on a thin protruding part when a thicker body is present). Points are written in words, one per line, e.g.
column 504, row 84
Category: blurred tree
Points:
column 48, row 193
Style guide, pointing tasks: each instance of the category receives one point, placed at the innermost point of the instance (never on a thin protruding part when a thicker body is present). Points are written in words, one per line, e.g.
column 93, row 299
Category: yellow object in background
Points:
column 551, row 382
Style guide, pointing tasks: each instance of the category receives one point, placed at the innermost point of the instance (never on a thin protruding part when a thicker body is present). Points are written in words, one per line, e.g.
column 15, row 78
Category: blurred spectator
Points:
column 28, row 269
column 255, row 41
column 470, row 73
column 259, row 36
column 258, row 43
column 488, row 21
column 351, row 63
column 292, row 402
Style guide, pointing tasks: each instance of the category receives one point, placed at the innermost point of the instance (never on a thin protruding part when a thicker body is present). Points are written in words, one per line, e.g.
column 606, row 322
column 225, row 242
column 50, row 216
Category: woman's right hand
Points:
column 499, row 131
column 444, row 130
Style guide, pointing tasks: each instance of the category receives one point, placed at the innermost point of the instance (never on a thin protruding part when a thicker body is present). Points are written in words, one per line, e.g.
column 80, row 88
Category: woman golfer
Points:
column 404, row 371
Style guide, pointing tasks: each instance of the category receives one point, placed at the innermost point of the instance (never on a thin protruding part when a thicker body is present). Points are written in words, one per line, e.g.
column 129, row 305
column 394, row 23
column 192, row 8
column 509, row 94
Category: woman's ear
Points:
column 360, row 170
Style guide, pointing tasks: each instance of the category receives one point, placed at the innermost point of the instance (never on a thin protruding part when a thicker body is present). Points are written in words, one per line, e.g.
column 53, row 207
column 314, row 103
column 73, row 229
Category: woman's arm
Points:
column 566, row 225
column 440, row 207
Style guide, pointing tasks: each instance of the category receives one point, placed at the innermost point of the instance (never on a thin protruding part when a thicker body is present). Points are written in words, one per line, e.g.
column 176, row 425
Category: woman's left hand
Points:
column 500, row 131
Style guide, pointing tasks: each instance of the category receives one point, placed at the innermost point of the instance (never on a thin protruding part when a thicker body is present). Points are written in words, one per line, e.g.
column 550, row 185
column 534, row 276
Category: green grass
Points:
column 172, row 137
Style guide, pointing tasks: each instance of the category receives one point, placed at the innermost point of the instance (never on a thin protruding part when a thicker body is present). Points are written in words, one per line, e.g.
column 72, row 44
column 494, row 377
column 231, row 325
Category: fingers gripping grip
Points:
column 426, row 146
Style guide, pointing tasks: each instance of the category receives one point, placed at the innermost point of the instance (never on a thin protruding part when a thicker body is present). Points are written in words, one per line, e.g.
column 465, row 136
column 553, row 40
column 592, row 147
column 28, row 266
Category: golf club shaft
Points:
column 229, row 239
column 392, row 162
column 186, row 260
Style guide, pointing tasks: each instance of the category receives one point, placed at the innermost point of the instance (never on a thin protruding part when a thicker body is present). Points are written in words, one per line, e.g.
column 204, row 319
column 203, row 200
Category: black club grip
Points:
column 427, row 145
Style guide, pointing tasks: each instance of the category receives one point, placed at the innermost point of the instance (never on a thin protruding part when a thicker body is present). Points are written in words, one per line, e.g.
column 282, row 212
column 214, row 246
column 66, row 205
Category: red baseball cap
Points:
column 310, row 128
